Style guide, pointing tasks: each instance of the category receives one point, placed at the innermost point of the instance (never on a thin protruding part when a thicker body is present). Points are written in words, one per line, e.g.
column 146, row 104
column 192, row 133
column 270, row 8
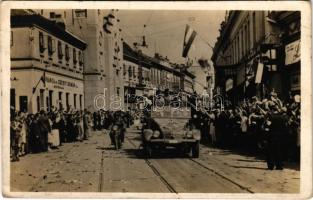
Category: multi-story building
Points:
column 47, row 64
column 103, row 55
column 249, row 54
column 144, row 75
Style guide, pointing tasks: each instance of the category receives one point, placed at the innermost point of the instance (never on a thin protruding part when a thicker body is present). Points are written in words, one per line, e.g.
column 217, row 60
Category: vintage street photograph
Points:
column 155, row 101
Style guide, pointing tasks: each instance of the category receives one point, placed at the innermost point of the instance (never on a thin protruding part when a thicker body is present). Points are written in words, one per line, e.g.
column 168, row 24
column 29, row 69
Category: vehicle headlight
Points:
column 189, row 134
column 156, row 134
column 196, row 134
column 115, row 127
column 147, row 134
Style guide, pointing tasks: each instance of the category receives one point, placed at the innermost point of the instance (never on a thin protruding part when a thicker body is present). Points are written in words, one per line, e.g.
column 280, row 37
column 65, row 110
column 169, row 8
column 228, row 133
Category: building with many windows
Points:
column 251, row 54
column 47, row 64
column 103, row 55
column 145, row 75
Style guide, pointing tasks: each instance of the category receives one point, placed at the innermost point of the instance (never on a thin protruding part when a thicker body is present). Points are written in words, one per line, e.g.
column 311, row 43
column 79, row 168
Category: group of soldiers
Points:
column 44, row 131
column 104, row 119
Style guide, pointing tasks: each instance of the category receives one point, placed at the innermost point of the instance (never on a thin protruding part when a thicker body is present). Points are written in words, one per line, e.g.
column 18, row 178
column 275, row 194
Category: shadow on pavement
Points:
column 156, row 154
column 251, row 154
column 247, row 167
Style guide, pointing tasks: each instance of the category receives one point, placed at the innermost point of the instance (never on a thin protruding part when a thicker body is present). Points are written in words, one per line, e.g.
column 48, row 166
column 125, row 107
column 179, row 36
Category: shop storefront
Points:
column 33, row 91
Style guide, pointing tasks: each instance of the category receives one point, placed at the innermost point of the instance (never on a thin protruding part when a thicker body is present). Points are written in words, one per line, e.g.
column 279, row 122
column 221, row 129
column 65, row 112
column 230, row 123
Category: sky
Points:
column 164, row 31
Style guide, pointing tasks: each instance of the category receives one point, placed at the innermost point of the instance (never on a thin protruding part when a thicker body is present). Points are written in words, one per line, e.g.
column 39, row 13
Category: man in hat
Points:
column 275, row 99
column 278, row 129
column 45, row 128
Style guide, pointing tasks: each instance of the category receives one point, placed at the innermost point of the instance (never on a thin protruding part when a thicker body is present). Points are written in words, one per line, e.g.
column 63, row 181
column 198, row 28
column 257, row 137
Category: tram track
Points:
column 172, row 189
column 156, row 172
column 100, row 185
column 221, row 175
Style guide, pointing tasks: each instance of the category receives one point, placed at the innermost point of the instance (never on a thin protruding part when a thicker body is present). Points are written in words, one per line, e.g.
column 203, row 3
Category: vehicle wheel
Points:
column 116, row 141
column 119, row 143
column 148, row 151
column 195, row 150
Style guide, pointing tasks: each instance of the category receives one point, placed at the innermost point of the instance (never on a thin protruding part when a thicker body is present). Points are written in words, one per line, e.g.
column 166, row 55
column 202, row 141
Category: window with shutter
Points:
column 81, row 58
column 74, row 56
column 50, row 46
column 67, row 53
column 41, row 42
column 60, row 50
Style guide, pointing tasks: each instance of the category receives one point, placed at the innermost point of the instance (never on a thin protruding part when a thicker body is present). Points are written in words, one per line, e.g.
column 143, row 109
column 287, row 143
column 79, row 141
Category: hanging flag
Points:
column 190, row 35
column 259, row 73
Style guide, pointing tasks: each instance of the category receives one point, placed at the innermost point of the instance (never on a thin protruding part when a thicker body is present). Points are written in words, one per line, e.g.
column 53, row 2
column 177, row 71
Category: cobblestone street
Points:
column 94, row 166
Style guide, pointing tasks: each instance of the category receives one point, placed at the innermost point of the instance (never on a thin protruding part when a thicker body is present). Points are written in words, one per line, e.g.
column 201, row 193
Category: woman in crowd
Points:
column 54, row 135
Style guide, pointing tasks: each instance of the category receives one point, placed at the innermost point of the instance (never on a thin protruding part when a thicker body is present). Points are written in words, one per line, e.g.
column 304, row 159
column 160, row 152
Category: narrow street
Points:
column 94, row 166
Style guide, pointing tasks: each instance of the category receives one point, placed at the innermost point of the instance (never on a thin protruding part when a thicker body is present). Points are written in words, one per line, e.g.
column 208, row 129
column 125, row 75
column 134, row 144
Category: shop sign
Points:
column 292, row 51
column 229, row 84
column 259, row 73
column 58, row 83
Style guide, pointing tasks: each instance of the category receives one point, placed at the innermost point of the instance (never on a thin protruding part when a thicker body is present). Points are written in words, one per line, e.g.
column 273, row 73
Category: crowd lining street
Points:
column 94, row 166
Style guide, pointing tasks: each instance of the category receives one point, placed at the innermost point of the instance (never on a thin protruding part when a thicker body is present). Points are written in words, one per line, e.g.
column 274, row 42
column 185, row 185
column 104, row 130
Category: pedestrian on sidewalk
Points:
column 34, row 135
column 15, row 135
column 86, row 121
column 23, row 133
column 278, row 130
column 45, row 128
column 62, row 128
column 54, row 135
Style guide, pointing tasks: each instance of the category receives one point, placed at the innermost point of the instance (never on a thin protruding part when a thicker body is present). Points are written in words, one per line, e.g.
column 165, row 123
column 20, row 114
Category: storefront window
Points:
column 42, row 100
column 81, row 101
column 75, row 95
column 130, row 71
column 60, row 100
column 12, row 98
column 50, row 99
column 67, row 101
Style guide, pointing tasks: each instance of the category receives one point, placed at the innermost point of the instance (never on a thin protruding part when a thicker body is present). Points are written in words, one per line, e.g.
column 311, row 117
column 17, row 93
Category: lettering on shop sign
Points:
column 292, row 51
column 59, row 83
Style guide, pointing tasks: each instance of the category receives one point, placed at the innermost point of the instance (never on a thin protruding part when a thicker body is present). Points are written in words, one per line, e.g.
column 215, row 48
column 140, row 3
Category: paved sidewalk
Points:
column 251, row 172
column 73, row 167
column 76, row 167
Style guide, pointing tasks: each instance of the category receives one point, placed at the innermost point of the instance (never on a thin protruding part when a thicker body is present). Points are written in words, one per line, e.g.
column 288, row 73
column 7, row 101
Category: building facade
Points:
column 249, row 55
column 47, row 64
column 103, row 56
column 145, row 75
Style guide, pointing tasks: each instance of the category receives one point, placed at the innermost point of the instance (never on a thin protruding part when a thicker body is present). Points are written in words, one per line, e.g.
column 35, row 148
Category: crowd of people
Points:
column 45, row 131
column 104, row 119
column 268, row 124
column 251, row 124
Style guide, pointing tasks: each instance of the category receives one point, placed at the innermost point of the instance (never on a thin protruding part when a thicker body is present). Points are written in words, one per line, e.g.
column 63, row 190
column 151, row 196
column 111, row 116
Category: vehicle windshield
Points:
column 171, row 112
